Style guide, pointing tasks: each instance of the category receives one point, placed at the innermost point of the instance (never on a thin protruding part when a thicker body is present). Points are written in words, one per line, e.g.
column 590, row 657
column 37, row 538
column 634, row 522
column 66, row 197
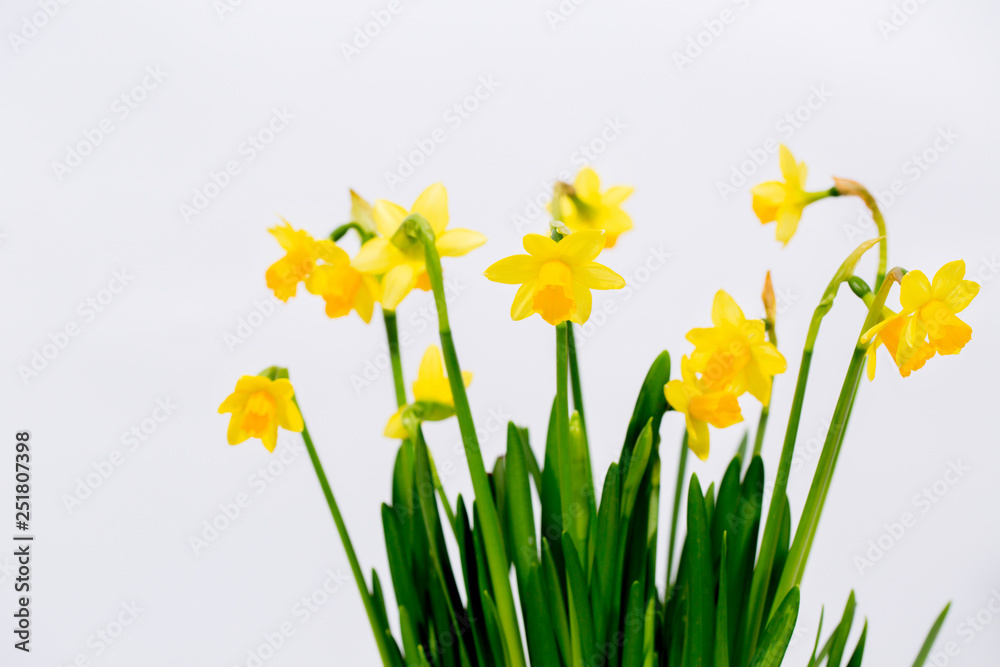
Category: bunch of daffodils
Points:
column 586, row 590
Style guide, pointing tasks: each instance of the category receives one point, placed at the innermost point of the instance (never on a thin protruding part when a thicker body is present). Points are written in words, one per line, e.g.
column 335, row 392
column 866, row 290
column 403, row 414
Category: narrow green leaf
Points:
column 604, row 584
column 700, row 584
column 632, row 652
column 636, row 468
column 501, row 652
column 581, row 621
column 520, row 512
column 409, row 637
column 931, row 636
column 722, row 613
column 651, row 404
column 819, row 633
column 859, row 650
column 529, row 457
column 556, row 601
column 843, row 630
column 399, row 567
column 777, row 635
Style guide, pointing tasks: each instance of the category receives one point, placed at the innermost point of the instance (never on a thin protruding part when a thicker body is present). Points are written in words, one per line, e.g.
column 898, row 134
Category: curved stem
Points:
column 377, row 629
column 417, row 230
column 392, row 334
column 844, row 187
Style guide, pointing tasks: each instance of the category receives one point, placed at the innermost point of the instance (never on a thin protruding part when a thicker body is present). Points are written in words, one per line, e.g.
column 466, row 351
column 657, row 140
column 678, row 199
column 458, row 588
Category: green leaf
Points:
column 501, row 653
column 774, row 642
column 651, row 404
column 859, row 650
column 722, row 613
column 604, row 583
column 841, row 634
column 409, row 637
column 931, row 636
column 819, row 632
column 556, row 601
column 399, row 567
column 529, row 457
column 551, row 518
column 582, row 508
column 632, row 652
column 581, row 622
column 635, row 469
column 725, row 506
column 700, row 584
column 521, row 515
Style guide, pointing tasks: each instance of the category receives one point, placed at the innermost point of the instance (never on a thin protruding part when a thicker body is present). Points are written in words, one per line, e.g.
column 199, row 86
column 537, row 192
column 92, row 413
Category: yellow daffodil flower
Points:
column 259, row 406
column 735, row 354
column 585, row 207
column 343, row 287
column 556, row 278
column 302, row 252
column 928, row 323
column 701, row 406
column 432, row 399
column 403, row 270
column 783, row 201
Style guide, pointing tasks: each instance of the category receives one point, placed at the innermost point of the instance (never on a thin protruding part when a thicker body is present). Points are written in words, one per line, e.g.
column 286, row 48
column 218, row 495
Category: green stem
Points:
column 377, row 629
column 772, row 528
column 681, row 469
column 417, row 230
column 562, row 427
column 392, row 334
column 798, row 554
column 574, row 374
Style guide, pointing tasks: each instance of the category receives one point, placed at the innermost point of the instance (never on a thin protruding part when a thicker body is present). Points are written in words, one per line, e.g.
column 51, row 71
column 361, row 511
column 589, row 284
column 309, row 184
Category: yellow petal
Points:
column 947, row 279
column 789, row 168
column 522, row 306
column 788, row 222
column 235, row 434
column 394, row 428
column 961, row 296
column 540, row 246
column 616, row 195
column 431, row 367
column 914, row 291
column 726, row 311
column 388, row 216
column 376, row 256
column 584, row 303
column 514, row 270
column 396, row 284
column 767, row 357
column 457, row 242
column 289, row 417
column 677, row 397
column 433, row 205
column 580, row 247
column 698, row 438
column 758, row 384
column 587, row 184
column 870, row 357
column 364, row 301
column 597, row 276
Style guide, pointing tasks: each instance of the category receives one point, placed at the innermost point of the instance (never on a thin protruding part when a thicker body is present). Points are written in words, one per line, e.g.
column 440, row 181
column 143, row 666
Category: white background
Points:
column 685, row 128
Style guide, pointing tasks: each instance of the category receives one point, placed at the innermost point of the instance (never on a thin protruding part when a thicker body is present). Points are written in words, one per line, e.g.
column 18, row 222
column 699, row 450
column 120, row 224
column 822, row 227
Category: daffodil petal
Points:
column 514, row 270
column 540, row 246
column 376, row 256
column 961, row 296
column 914, row 291
column 584, row 303
column 457, row 242
column 582, row 246
column 597, row 276
column 388, row 217
column 522, row 306
column 616, row 195
column 788, row 222
column 947, row 279
column 396, row 284
column 725, row 310
column 433, row 205
column 394, row 428
column 587, row 184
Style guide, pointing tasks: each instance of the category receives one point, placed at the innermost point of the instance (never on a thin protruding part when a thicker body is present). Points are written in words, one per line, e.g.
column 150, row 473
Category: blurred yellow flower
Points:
column 432, row 398
column 403, row 270
column 783, row 201
column 343, row 287
column 259, row 406
column 927, row 324
column 556, row 278
column 302, row 252
column 586, row 207
column 734, row 354
column 701, row 406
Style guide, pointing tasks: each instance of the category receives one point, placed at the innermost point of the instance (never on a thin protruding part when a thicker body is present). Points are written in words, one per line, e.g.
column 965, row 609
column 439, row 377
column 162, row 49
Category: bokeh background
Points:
column 120, row 220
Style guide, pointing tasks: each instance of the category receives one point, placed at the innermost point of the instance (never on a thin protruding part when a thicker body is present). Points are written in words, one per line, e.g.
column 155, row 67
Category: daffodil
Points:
column 302, row 252
column 585, row 207
column 783, row 201
column 432, row 399
column 928, row 322
column 734, row 354
column 259, row 406
column 556, row 278
column 343, row 287
column 701, row 406
column 403, row 270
